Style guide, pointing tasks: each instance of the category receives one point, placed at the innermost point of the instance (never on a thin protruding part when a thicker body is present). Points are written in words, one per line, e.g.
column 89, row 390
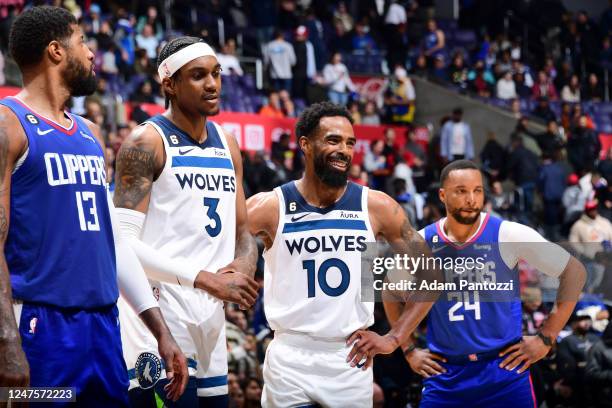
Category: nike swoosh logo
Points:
column 43, row 132
column 181, row 152
column 86, row 136
column 438, row 249
column 294, row 219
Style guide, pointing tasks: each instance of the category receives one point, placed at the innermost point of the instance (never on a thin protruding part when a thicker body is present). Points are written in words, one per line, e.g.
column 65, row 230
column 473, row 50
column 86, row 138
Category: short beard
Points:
column 465, row 220
column 78, row 80
column 329, row 176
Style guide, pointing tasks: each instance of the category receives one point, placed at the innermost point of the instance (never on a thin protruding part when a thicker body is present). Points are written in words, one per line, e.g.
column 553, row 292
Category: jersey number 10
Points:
column 321, row 276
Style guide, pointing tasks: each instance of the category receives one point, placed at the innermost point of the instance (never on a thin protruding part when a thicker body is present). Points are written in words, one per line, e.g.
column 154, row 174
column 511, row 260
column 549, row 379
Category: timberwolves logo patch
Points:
column 148, row 370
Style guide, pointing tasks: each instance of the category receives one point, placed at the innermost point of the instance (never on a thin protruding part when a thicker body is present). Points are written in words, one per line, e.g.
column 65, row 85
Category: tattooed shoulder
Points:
column 135, row 169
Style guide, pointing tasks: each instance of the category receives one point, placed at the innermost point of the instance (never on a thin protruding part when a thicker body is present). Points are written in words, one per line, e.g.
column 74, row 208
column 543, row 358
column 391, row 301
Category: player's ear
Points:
column 169, row 87
column 55, row 51
column 442, row 195
column 304, row 143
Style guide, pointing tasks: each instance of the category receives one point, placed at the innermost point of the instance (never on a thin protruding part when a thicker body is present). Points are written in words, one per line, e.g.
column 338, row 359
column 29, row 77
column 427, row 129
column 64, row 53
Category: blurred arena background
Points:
column 522, row 87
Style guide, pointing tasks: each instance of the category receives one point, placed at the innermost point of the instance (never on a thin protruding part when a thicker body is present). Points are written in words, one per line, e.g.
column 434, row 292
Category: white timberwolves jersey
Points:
column 312, row 278
column 192, row 210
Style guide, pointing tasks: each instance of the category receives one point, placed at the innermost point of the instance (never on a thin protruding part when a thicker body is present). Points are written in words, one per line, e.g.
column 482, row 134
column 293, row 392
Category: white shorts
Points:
column 301, row 371
column 197, row 323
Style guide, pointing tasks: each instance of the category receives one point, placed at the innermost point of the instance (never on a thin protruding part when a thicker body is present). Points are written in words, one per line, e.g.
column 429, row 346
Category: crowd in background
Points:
column 556, row 181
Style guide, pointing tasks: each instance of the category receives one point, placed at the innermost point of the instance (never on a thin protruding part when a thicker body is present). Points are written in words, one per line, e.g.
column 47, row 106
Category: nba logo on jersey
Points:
column 148, row 370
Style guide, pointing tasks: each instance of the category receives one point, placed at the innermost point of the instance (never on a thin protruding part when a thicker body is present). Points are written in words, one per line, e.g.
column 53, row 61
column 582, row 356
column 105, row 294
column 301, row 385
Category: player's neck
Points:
column 194, row 126
column 317, row 193
column 458, row 232
column 47, row 99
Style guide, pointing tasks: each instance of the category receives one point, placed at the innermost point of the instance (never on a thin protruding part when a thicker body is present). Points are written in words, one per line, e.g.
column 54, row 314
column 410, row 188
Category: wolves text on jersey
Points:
column 209, row 182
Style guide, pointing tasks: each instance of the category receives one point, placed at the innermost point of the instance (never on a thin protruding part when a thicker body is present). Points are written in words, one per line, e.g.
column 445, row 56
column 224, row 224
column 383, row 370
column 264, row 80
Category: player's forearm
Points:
column 8, row 325
column 570, row 286
column 246, row 250
column 153, row 319
column 412, row 315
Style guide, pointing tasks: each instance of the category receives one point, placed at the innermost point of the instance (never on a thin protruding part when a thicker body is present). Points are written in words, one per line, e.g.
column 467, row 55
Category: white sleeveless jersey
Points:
column 192, row 210
column 312, row 275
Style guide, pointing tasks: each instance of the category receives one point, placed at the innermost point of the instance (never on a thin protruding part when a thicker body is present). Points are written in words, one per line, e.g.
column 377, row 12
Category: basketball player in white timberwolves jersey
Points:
column 180, row 199
column 315, row 230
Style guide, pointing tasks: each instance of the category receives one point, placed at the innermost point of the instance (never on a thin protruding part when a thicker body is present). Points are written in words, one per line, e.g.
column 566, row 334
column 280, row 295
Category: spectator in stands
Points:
column 305, row 67
column 357, row 175
column 598, row 369
column 551, row 184
column 403, row 99
column 544, row 88
column 522, row 169
column 481, row 80
column 493, row 158
column 144, row 94
column 353, row 108
column 501, row 201
column 583, row 147
column 506, row 89
column 147, row 41
column 342, row 15
column 458, row 72
column 551, row 141
column 228, row 60
column 273, row 108
column 279, row 57
column 434, row 42
column 338, row 79
column 605, row 56
column 534, row 313
column 587, row 235
column 605, row 166
column 543, row 111
column 564, row 75
column 515, row 108
column 592, row 90
column 522, row 90
column 252, row 393
column 93, row 20
column 287, row 105
column 571, row 91
column 573, row 200
column 375, row 163
column 419, row 68
column 456, row 139
column 363, row 43
column 391, row 150
column 438, row 72
column 577, row 115
column 395, row 33
column 153, row 20
column 571, row 359
column 370, row 115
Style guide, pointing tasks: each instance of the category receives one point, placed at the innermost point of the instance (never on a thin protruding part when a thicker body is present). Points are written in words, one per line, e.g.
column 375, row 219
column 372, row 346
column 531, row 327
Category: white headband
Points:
column 175, row 61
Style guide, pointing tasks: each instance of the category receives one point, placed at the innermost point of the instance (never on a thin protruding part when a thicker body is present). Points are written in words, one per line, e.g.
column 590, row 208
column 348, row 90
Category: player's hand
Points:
column 367, row 344
column 176, row 366
column 423, row 362
column 530, row 350
column 14, row 371
column 229, row 285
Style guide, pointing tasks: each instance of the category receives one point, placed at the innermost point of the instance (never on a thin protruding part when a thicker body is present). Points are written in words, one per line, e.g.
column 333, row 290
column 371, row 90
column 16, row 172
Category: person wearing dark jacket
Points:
column 493, row 158
column 583, row 147
column 550, row 141
column 551, row 184
column 523, row 170
column 572, row 360
column 598, row 369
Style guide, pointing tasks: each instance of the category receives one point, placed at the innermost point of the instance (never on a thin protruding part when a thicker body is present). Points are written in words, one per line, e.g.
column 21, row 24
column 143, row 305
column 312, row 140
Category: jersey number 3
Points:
column 321, row 276
column 211, row 205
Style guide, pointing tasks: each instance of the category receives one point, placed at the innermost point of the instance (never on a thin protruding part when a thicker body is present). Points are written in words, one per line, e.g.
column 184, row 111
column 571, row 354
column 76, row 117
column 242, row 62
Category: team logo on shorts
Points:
column 33, row 323
column 148, row 370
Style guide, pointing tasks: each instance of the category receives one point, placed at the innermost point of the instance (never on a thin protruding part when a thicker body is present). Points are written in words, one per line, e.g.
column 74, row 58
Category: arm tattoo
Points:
column 134, row 178
column 246, row 248
column 8, row 327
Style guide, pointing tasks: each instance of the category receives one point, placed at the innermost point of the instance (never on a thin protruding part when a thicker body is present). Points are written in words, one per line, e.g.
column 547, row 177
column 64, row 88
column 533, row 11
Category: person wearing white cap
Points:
column 180, row 201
